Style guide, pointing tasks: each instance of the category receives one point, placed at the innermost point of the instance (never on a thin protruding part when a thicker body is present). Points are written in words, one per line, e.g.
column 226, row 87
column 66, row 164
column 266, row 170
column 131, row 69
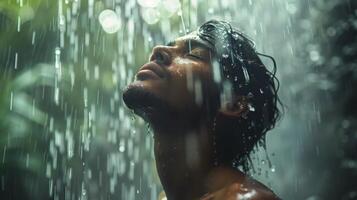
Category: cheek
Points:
column 183, row 68
column 180, row 67
column 187, row 79
column 178, row 81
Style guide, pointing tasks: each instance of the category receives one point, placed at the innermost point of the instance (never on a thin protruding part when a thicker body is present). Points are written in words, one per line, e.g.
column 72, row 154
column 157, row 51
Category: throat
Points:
column 183, row 160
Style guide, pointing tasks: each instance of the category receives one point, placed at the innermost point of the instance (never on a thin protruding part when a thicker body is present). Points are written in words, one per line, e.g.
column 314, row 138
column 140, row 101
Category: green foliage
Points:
column 21, row 134
column 23, row 137
column 45, row 142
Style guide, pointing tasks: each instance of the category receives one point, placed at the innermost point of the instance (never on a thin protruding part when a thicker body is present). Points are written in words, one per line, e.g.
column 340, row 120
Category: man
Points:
column 209, row 99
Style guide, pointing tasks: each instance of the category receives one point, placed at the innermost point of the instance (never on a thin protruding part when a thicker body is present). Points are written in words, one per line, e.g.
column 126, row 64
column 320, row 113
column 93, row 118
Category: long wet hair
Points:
column 241, row 67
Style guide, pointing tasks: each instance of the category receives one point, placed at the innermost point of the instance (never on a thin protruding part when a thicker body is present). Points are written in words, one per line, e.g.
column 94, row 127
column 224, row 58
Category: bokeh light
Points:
column 110, row 21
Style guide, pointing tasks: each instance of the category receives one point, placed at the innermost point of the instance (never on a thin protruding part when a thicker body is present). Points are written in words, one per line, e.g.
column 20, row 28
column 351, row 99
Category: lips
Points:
column 150, row 71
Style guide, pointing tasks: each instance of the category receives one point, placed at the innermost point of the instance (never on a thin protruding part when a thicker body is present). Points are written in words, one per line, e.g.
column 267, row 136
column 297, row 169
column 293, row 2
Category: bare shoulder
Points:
column 240, row 191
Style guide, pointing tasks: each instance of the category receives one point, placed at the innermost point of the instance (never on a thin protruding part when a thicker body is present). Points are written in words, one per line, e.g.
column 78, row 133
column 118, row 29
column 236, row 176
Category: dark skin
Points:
column 167, row 98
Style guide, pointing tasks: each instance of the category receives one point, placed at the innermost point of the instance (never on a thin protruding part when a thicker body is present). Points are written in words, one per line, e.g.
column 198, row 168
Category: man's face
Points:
column 178, row 77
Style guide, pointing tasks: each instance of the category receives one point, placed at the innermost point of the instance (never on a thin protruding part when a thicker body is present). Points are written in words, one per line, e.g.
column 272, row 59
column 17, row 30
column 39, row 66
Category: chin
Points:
column 140, row 97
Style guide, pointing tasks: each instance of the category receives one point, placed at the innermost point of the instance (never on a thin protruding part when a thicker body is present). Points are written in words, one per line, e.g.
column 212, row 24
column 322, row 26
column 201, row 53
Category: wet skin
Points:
column 179, row 111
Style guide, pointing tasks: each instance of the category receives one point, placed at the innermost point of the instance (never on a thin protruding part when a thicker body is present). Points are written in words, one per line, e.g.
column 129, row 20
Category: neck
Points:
column 185, row 163
column 183, row 158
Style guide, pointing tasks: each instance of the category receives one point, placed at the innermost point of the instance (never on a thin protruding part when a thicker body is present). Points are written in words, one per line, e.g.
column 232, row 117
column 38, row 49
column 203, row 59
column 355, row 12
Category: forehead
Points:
column 194, row 38
column 191, row 36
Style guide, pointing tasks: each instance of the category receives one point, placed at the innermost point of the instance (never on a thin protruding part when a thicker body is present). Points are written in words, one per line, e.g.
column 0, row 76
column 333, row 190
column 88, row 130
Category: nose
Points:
column 161, row 55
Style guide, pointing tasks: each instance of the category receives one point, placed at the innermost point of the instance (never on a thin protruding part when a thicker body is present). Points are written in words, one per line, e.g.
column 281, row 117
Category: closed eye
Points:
column 194, row 56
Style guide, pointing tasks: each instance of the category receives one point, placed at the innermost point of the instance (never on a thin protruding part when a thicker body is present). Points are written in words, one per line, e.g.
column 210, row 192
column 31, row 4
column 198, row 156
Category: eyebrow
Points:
column 192, row 44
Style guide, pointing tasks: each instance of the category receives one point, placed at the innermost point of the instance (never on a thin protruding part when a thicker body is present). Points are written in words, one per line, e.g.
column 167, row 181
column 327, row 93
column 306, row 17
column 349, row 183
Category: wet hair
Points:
column 242, row 70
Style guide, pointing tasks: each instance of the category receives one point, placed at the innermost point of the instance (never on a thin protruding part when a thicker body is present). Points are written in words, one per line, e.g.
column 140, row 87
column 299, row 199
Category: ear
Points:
column 236, row 108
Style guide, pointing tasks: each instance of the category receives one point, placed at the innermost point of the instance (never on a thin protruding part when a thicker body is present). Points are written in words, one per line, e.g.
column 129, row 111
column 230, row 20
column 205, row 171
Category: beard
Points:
column 161, row 113
column 145, row 103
